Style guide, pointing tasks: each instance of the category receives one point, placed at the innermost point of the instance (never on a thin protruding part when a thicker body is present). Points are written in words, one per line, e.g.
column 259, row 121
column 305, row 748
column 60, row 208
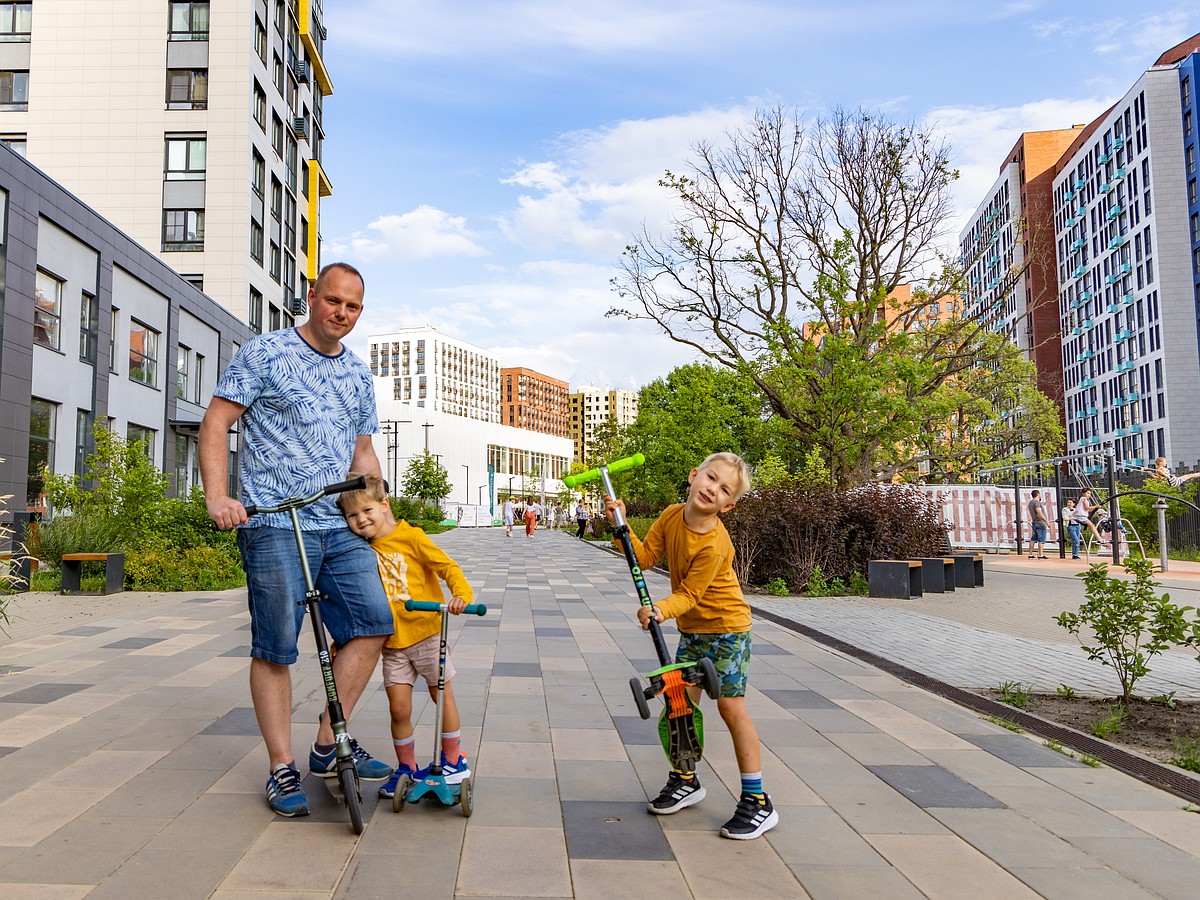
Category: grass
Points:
column 1110, row 724
column 1014, row 694
column 1187, row 753
column 1005, row 723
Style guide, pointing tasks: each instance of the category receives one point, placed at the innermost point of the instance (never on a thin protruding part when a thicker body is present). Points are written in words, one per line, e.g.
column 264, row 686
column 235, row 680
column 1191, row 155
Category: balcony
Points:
column 1133, row 396
column 1078, row 243
column 1123, row 335
column 1113, row 211
column 1119, row 174
column 1127, row 300
column 1080, row 184
column 1087, row 383
column 1106, row 187
column 1135, row 429
column 1103, row 158
column 1079, row 271
column 1118, row 143
column 1119, row 241
column 1085, row 295
column 1084, row 356
column 1121, row 432
column 1069, row 195
column 1118, row 401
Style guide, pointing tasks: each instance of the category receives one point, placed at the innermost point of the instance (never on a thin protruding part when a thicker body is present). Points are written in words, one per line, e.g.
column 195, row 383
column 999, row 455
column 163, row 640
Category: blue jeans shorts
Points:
column 1039, row 534
column 730, row 654
column 346, row 571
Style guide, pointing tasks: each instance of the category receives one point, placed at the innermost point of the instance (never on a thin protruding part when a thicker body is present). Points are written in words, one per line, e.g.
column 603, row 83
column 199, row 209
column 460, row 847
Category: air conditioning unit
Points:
column 299, row 307
column 300, row 70
column 300, row 127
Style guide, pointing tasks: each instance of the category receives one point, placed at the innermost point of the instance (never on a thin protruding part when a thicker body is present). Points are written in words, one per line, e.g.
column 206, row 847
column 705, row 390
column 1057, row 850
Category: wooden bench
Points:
column 937, row 573
column 898, row 578
column 968, row 569
column 114, row 571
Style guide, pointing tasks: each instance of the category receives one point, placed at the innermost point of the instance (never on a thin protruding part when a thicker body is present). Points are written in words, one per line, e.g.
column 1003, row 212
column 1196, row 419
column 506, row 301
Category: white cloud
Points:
column 423, row 233
column 982, row 135
column 1140, row 39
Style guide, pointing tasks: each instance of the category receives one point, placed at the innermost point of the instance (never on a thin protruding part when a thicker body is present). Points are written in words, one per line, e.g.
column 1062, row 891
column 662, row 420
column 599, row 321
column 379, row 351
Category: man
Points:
column 307, row 408
column 1037, row 518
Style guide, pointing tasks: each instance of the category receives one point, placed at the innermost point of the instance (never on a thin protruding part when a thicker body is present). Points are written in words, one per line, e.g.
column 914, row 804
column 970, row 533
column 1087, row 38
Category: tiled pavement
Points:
column 130, row 766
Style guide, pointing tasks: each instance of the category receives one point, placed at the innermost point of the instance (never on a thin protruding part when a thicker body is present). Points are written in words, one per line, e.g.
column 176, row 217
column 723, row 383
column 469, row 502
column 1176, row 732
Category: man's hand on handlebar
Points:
column 226, row 512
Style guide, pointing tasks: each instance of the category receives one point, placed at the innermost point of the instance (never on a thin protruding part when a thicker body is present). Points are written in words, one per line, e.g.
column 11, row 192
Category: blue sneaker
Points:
column 388, row 791
column 284, row 793
column 455, row 773
column 324, row 765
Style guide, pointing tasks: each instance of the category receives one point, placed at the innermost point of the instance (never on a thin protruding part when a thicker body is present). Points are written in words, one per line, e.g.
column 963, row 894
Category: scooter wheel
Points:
column 712, row 684
column 639, row 697
column 466, row 795
column 401, row 795
column 348, row 779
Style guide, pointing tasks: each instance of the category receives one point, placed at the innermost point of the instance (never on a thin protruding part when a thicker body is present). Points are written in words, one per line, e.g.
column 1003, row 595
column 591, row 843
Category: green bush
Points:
column 165, row 568
column 87, row 531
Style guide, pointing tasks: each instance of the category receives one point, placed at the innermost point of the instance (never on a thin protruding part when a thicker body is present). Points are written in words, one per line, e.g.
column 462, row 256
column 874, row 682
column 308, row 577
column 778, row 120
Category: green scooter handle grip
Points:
column 620, row 465
column 473, row 609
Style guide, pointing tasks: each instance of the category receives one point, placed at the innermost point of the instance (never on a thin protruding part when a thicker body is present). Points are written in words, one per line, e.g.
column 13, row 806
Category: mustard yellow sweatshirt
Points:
column 705, row 595
column 410, row 565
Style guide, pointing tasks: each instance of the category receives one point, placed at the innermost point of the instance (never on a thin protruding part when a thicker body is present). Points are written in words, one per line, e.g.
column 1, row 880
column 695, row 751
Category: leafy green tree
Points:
column 784, row 266
column 425, row 478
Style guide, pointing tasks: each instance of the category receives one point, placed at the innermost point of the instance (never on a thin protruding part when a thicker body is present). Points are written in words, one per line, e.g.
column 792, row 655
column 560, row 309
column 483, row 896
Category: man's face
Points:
column 335, row 305
column 367, row 517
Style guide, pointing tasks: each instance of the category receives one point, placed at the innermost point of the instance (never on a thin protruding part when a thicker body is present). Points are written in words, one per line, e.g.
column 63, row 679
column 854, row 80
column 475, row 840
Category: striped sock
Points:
column 752, row 783
column 406, row 751
column 452, row 745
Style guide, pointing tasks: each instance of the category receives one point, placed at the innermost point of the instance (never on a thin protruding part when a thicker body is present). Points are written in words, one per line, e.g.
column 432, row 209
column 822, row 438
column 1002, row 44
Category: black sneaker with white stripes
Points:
column 679, row 793
column 754, row 816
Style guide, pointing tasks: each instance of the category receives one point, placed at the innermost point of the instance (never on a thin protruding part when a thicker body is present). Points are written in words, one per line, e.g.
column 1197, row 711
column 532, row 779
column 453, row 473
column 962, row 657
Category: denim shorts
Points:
column 730, row 654
column 1039, row 534
column 346, row 571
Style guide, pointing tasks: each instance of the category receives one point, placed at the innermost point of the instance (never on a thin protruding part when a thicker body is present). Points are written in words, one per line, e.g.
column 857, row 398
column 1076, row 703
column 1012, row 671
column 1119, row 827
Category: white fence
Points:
column 983, row 516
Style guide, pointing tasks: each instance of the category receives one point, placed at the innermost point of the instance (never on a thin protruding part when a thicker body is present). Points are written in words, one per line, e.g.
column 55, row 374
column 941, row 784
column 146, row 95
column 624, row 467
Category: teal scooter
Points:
column 434, row 784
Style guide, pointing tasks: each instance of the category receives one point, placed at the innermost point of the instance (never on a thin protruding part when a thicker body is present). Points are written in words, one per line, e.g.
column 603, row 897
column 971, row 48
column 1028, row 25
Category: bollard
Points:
column 1160, row 506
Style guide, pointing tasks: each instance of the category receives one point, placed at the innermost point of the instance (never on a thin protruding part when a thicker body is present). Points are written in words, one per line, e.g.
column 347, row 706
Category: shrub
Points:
column 791, row 529
column 162, row 567
column 89, row 530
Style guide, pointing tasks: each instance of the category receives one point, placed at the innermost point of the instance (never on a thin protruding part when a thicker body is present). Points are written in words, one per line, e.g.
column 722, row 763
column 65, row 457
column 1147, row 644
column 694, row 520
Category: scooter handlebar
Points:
column 620, row 465
column 350, row 484
column 473, row 609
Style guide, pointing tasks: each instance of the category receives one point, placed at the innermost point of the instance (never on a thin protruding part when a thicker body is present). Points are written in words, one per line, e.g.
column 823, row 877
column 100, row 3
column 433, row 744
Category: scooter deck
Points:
column 681, row 724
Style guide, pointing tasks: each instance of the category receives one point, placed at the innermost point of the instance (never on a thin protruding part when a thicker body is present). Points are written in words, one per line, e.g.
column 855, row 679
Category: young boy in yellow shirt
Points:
column 410, row 565
column 714, row 621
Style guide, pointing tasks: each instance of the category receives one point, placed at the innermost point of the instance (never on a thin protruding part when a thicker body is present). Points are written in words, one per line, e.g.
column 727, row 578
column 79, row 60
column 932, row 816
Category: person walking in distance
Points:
column 581, row 519
column 509, row 513
column 1072, row 528
column 307, row 411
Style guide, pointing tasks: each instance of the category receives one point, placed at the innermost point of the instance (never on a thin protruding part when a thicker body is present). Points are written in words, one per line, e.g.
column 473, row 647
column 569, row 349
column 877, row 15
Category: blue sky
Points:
column 491, row 159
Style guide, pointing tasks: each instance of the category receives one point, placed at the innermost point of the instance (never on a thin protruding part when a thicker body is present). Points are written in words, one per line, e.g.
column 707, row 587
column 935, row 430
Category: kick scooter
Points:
column 347, row 774
column 434, row 784
column 681, row 724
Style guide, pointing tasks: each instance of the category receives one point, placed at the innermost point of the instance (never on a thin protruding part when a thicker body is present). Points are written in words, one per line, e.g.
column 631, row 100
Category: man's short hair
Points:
column 345, row 267
column 732, row 459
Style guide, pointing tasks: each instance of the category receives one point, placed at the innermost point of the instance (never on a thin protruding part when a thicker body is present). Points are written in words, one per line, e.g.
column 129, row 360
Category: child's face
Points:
column 367, row 517
column 713, row 489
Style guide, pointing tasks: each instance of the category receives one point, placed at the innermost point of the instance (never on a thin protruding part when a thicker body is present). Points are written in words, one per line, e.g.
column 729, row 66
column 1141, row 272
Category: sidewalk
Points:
column 131, row 766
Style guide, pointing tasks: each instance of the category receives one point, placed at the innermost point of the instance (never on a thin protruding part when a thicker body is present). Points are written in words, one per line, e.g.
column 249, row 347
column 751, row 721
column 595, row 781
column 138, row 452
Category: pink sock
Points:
column 452, row 745
column 406, row 751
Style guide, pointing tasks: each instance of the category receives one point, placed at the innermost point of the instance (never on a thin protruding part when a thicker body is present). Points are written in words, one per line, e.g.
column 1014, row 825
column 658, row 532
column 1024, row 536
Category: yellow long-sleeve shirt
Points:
column 705, row 595
column 410, row 565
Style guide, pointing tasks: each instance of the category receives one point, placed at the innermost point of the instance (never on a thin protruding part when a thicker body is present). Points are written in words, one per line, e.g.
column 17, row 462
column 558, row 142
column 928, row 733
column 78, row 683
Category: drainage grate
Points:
column 1147, row 770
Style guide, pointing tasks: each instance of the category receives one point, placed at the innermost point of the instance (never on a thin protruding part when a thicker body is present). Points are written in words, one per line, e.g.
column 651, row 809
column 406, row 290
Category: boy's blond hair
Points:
column 374, row 489
column 732, row 459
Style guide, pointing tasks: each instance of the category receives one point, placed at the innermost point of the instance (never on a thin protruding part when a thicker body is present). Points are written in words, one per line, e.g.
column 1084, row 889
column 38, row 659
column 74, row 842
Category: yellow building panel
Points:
column 318, row 187
column 320, row 73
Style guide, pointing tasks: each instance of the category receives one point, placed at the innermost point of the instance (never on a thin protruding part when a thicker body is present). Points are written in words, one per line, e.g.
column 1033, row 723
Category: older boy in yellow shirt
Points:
column 410, row 565
column 714, row 621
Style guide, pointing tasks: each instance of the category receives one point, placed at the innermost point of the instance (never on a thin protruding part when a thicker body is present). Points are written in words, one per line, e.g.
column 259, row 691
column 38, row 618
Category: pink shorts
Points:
column 403, row 666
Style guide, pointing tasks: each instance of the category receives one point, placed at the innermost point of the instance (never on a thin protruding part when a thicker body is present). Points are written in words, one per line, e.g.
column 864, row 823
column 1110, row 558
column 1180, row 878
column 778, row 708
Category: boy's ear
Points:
column 692, row 474
column 728, row 506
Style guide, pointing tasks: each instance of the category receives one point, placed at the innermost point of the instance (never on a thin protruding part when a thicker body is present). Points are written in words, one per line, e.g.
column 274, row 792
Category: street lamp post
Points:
column 482, row 487
column 510, row 478
column 466, row 483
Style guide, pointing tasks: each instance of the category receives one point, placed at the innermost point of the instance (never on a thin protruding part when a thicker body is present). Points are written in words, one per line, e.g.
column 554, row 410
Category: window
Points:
column 256, row 242
column 260, row 40
column 181, row 372
column 196, row 281
column 112, row 340
column 15, row 21
column 47, row 310
column 303, row 235
column 85, row 439
column 290, row 162
column 189, row 21
column 260, row 106
column 289, row 224
column 197, row 382
column 15, row 142
column 89, row 328
column 187, row 88
column 277, row 135
column 14, row 90
column 143, row 353
column 276, row 200
column 289, row 279
column 254, row 311
column 42, row 426
column 275, row 319
column 258, row 172
column 140, row 434
column 275, row 262
column 185, row 158
column 183, row 229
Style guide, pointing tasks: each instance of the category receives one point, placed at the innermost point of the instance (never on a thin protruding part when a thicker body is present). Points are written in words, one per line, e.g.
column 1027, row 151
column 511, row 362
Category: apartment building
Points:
column 95, row 329
column 590, row 407
column 531, row 400
column 435, row 372
column 1127, row 231
column 195, row 127
column 1008, row 254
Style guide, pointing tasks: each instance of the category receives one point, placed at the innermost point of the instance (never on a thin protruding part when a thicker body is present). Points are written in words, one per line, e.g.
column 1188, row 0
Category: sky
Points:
column 491, row 159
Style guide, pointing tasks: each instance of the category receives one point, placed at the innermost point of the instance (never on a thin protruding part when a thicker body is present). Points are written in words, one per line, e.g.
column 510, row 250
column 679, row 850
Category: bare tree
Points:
column 784, row 262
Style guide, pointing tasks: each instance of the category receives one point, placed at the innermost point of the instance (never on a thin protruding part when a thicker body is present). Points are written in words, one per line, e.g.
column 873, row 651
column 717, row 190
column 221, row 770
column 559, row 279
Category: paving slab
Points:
column 131, row 765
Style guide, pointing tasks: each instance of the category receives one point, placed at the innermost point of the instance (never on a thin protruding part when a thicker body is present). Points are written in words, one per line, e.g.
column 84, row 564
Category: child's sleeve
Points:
column 436, row 559
column 700, row 575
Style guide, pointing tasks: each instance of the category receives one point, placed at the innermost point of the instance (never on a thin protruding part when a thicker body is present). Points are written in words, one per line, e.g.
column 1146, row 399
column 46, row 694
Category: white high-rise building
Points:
column 196, row 127
column 435, row 372
column 1126, row 223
